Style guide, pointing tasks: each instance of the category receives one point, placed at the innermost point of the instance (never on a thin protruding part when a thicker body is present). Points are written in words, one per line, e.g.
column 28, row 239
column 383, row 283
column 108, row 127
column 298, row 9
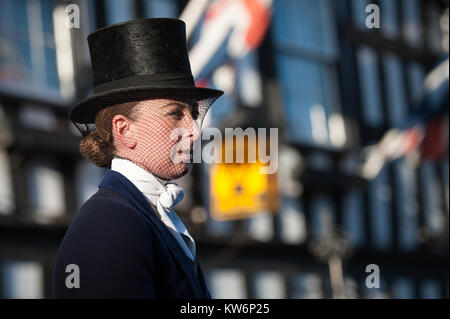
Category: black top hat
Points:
column 137, row 60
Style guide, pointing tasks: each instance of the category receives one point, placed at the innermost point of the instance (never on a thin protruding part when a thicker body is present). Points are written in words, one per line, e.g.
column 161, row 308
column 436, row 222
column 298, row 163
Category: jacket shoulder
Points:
column 111, row 242
column 108, row 212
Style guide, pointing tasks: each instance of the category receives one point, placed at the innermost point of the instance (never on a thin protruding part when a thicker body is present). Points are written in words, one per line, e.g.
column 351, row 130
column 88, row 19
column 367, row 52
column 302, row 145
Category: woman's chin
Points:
column 179, row 170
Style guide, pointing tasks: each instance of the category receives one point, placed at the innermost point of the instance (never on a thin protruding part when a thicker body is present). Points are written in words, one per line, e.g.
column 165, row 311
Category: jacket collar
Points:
column 122, row 185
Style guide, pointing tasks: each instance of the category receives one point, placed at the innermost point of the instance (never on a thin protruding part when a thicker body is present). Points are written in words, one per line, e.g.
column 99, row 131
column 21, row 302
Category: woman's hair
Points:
column 98, row 146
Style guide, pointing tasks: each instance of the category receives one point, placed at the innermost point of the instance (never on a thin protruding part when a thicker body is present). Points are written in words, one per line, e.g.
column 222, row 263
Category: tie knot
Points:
column 171, row 196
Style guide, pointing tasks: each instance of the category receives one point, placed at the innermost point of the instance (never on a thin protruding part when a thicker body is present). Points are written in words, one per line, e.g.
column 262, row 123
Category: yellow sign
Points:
column 240, row 190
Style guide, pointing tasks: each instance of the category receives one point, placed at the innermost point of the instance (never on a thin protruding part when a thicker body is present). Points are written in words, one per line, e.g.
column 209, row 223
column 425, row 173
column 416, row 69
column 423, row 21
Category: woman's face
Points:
column 164, row 131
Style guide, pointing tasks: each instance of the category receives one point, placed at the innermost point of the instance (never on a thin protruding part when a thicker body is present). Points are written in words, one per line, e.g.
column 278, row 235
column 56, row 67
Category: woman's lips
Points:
column 186, row 153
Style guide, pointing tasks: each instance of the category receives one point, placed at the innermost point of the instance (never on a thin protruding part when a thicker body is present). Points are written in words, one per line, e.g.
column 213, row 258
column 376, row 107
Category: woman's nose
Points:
column 192, row 126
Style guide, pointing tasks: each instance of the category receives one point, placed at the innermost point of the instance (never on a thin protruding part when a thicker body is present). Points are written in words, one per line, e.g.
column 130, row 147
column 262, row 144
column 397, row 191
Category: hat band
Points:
column 154, row 80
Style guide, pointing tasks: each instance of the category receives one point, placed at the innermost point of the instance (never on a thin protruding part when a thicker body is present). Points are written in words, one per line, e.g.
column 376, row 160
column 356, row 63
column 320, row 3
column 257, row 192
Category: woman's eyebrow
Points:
column 178, row 104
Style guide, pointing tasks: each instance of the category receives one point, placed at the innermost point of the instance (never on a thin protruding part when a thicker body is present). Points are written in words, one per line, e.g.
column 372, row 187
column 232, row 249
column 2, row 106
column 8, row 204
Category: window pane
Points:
column 7, row 203
column 370, row 86
column 416, row 75
column 227, row 284
column 304, row 30
column 46, row 188
column 395, row 90
column 249, row 80
column 407, row 206
column 412, row 23
column 389, row 25
column 350, row 288
column 403, row 288
column 160, row 8
column 434, row 28
column 431, row 197
column 353, row 217
column 308, row 99
column 260, row 227
column 269, row 285
column 28, row 57
column 445, row 178
column 118, row 11
column 292, row 221
column 430, row 289
column 306, row 286
column 22, row 280
column 305, row 25
column 380, row 211
column 322, row 215
column 88, row 177
column 15, row 60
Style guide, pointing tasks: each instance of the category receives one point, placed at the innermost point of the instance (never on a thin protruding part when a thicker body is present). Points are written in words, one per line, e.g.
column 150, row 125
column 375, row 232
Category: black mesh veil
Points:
column 163, row 127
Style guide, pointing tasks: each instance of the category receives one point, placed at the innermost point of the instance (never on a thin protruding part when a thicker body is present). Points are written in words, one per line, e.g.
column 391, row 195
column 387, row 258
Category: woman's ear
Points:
column 122, row 131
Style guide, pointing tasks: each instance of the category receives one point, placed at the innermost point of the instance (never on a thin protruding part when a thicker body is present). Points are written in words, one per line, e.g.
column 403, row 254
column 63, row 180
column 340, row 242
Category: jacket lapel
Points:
column 121, row 184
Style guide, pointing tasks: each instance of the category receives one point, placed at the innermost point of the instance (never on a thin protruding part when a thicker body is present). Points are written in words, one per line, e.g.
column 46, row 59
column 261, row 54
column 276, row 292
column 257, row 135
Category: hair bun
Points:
column 97, row 150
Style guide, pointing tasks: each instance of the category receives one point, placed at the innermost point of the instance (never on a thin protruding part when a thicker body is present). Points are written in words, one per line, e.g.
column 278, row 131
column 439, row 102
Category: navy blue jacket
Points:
column 123, row 250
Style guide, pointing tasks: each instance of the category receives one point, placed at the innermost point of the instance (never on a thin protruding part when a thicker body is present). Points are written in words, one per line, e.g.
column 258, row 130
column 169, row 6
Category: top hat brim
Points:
column 86, row 111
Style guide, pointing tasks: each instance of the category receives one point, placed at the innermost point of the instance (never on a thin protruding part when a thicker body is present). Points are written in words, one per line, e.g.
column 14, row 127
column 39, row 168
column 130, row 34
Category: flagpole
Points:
column 192, row 13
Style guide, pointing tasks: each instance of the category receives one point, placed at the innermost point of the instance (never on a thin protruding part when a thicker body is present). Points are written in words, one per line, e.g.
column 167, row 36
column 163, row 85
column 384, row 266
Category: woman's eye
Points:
column 177, row 114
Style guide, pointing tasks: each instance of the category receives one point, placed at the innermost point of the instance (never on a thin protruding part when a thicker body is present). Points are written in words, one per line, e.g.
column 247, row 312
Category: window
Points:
column 380, row 194
column 323, row 215
column 227, row 284
column 434, row 36
column 353, row 217
column 403, row 288
column 445, row 178
column 249, row 80
column 46, row 187
column 292, row 221
column 430, row 192
column 22, row 280
column 160, row 8
column 412, row 24
column 88, row 177
column 430, row 289
column 269, row 285
column 406, row 204
column 372, row 108
column 416, row 75
column 260, row 227
column 350, row 288
column 305, row 56
column 397, row 107
column 119, row 11
column 7, row 204
column 306, row 286
column 28, row 54
column 389, row 20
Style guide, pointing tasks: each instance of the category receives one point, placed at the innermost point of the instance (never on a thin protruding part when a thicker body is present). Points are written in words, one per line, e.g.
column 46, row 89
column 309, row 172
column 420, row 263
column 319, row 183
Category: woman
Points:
column 126, row 241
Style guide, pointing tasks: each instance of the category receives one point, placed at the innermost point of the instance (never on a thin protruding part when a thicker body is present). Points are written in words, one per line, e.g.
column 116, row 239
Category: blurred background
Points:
column 359, row 95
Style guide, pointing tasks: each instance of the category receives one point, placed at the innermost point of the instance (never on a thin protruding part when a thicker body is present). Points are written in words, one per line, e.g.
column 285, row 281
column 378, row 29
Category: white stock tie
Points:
column 168, row 199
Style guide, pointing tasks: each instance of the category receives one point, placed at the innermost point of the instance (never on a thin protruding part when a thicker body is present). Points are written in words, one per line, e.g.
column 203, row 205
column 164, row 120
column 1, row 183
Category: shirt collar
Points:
column 150, row 185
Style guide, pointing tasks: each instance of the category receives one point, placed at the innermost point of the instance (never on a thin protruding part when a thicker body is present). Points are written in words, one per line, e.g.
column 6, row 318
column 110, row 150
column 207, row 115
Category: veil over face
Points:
column 163, row 132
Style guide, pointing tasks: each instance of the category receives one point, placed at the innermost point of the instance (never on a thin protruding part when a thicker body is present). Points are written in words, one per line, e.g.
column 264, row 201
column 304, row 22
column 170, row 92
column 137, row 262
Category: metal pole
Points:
column 336, row 276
